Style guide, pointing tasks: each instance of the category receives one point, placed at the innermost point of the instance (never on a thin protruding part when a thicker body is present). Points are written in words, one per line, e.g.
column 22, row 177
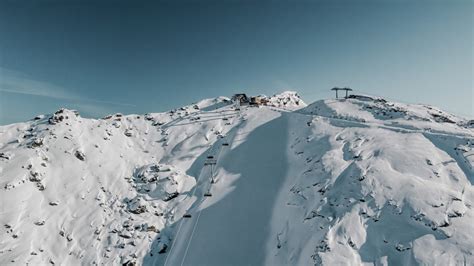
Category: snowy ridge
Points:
column 380, row 111
column 353, row 181
column 287, row 99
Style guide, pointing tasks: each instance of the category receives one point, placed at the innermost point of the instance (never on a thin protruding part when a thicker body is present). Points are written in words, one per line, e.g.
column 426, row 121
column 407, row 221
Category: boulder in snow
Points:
column 36, row 142
column 137, row 206
column 6, row 155
column 128, row 132
column 80, row 155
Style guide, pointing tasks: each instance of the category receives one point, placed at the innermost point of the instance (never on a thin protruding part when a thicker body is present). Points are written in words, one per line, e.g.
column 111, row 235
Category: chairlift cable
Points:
column 191, row 238
column 198, row 216
column 182, row 220
column 172, row 243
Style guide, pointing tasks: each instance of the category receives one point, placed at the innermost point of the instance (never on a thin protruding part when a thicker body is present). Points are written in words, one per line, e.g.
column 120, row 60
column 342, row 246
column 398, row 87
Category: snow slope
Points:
column 360, row 181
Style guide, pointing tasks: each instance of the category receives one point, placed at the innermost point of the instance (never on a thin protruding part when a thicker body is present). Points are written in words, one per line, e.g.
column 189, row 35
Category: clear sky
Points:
column 149, row 56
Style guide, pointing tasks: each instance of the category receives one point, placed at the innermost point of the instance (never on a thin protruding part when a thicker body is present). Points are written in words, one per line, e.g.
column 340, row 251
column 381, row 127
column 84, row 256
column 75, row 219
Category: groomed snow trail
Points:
column 234, row 230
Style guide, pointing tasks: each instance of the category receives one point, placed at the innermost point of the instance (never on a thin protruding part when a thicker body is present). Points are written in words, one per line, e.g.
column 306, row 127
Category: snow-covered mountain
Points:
column 347, row 181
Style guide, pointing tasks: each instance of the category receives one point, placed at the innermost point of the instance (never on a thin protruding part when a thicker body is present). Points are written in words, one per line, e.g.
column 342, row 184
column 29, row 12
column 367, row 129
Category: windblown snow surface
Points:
column 359, row 181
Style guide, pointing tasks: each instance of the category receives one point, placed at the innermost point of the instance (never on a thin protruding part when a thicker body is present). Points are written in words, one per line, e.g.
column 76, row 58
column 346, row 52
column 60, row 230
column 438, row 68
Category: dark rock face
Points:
column 38, row 117
column 58, row 117
column 138, row 210
column 136, row 206
column 61, row 115
column 129, row 263
column 128, row 133
column 162, row 248
column 171, row 196
column 36, row 143
column 35, row 176
column 5, row 155
column 80, row 155
column 441, row 118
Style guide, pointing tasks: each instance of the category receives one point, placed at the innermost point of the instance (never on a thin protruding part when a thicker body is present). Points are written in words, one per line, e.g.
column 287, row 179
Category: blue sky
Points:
column 110, row 56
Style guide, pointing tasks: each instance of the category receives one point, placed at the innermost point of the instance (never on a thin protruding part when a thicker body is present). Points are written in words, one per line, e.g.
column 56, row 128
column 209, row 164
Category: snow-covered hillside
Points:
column 348, row 181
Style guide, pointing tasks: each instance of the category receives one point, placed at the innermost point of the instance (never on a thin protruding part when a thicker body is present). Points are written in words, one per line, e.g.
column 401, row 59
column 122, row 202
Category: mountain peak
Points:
column 333, row 182
column 288, row 99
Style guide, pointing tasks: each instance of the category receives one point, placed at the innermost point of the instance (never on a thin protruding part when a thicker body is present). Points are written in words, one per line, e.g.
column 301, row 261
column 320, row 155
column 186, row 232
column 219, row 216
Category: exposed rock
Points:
column 441, row 118
column 152, row 228
column 286, row 99
column 455, row 214
column 40, row 186
column 36, row 142
column 157, row 123
column 162, row 248
column 170, row 196
column 125, row 234
column 136, row 206
column 470, row 123
column 129, row 263
column 80, row 155
column 128, row 133
column 38, row 117
column 148, row 117
column 61, row 115
column 35, row 176
column 6, row 155
column 401, row 248
column 39, row 223
column 126, row 224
